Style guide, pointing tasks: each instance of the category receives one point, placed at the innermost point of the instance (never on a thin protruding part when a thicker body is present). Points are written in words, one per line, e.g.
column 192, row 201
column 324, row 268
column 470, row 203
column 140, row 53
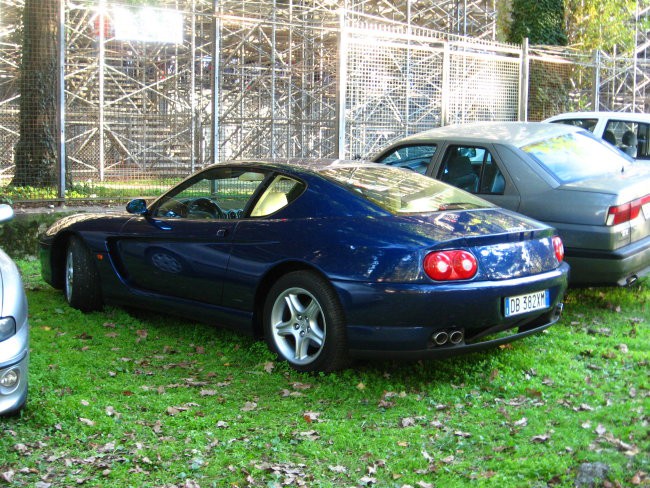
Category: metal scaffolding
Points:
column 295, row 78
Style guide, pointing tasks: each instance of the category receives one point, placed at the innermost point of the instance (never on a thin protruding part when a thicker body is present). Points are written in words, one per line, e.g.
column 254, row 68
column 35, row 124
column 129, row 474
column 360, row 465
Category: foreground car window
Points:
column 399, row 191
column 214, row 194
column 576, row 156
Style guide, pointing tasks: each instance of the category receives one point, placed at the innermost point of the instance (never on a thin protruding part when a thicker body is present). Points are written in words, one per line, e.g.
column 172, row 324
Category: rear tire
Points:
column 81, row 286
column 304, row 323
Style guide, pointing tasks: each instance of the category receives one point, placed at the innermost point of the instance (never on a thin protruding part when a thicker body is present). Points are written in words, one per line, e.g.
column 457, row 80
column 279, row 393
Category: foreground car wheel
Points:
column 304, row 324
column 82, row 287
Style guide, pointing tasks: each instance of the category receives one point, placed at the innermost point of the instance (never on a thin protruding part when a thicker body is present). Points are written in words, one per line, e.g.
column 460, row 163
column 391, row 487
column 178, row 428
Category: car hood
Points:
column 627, row 185
column 72, row 220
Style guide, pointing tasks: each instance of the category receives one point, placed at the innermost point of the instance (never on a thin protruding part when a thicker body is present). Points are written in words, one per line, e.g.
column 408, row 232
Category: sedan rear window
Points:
column 576, row 156
column 402, row 191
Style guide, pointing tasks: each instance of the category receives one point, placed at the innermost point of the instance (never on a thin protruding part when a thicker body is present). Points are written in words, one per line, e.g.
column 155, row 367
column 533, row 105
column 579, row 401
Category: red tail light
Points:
column 626, row 212
column 450, row 265
column 558, row 247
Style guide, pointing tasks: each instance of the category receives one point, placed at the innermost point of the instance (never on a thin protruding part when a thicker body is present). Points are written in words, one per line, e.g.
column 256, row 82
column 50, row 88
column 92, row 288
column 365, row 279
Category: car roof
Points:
column 296, row 164
column 515, row 133
column 631, row 116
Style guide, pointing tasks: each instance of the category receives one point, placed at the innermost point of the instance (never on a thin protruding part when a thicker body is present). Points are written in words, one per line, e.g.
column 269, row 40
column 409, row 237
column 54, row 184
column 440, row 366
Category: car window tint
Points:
column 588, row 124
column 461, row 167
column 631, row 137
column 414, row 157
column 399, row 191
column 220, row 193
column 575, row 156
column 282, row 191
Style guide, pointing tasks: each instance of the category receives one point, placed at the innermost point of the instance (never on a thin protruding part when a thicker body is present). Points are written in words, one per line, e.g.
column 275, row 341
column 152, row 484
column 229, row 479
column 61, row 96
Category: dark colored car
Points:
column 597, row 199
column 325, row 260
column 14, row 332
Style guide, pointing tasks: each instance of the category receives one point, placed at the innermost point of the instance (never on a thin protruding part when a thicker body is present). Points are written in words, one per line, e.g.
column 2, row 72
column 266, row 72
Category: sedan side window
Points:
column 415, row 158
column 473, row 169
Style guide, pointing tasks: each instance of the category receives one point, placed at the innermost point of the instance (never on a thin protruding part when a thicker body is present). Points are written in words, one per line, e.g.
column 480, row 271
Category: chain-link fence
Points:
column 286, row 79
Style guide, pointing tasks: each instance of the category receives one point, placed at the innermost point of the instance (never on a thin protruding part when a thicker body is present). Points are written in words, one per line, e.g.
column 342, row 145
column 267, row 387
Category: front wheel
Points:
column 304, row 323
column 82, row 285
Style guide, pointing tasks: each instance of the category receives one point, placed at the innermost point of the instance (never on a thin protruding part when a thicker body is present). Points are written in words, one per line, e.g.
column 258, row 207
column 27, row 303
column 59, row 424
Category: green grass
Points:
column 123, row 398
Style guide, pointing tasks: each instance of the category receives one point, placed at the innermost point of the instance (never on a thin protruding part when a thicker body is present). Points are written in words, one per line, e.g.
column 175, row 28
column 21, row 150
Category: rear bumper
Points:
column 512, row 333
column 619, row 267
column 402, row 321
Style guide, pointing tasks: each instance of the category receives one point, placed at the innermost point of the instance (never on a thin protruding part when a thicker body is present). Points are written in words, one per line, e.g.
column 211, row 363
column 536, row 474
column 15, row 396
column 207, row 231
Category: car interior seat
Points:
column 461, row 174
column 629, row 143
column 498, row 184
column 269, row 203
column 609, row 137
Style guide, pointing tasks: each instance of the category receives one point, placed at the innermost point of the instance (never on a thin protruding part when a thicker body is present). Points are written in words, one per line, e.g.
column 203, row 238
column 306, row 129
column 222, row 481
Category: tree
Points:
column 541, row 21
column 607, row 25
column 36, row 151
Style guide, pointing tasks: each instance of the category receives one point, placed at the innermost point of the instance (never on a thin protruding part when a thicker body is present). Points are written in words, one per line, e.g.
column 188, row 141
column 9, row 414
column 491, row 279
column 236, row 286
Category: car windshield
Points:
column 576, row 156
column 402, row 191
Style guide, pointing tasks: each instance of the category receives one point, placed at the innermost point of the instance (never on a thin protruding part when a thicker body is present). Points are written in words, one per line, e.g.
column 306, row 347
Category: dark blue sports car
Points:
column 324, row 260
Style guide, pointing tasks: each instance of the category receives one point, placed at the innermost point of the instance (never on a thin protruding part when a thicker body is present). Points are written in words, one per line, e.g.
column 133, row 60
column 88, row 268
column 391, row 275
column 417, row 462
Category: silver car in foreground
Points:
column 14, row 332
column 596, row 198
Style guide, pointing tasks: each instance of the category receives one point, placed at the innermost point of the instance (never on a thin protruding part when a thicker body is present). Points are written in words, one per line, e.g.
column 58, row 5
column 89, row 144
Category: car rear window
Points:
column 575, row 156
column 402, row 191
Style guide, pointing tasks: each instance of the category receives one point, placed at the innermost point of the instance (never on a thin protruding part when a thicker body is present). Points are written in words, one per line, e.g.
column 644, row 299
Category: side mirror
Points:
column 137, row 207
column 6, row 212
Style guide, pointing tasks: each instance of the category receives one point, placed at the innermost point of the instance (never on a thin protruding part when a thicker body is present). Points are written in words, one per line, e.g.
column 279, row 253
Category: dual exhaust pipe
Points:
column 443, row 337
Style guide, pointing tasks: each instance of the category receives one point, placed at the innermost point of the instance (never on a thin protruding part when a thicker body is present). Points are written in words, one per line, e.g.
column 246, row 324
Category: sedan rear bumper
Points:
column 620, row 267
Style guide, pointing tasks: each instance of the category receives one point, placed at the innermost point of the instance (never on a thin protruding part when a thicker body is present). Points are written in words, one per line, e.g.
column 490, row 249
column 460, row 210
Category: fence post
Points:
column 101, row 61
column 341, row 87
column 596, row 90
column 193, row 111
column 446, row 67
column 216, row 39
column 523, row 83
column 61, row 101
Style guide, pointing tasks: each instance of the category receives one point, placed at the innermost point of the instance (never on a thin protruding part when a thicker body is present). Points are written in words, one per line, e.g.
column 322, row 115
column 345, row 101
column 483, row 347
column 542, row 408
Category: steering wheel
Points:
column 203, row 204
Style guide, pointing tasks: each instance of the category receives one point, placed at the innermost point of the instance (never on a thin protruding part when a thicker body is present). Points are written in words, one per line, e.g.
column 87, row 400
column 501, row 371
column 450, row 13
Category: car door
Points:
column 181, row 247
column 477, row 168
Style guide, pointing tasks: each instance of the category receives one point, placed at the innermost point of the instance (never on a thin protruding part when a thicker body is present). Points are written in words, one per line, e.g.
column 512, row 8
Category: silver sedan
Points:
column 14, row 332
column 592, row 194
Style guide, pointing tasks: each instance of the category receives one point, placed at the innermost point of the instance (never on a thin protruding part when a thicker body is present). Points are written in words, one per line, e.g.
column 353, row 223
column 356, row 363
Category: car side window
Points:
column 589, row 124
column 413, row 157
column 282, row 191
column 473, row 169
column 630, row 137
column 219, row 193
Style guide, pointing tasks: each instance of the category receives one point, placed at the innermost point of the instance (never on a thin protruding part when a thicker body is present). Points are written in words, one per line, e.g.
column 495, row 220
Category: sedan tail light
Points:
column 450, row 265
column 626, row 212
column 558, row 247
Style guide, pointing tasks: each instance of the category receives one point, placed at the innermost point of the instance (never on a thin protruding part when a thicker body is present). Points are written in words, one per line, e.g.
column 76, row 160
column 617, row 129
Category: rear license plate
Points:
column 527, row 303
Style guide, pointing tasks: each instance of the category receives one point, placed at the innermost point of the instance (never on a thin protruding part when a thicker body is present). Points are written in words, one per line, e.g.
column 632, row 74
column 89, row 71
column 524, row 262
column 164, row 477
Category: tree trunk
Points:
column 36, row 151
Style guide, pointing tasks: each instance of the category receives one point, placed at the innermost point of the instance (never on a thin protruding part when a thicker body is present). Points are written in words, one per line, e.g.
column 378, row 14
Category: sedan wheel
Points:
column 82, row 286
column 304, row 323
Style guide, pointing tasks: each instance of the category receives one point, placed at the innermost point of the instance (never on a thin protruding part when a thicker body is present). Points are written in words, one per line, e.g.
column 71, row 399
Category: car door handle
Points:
column 222, row 232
